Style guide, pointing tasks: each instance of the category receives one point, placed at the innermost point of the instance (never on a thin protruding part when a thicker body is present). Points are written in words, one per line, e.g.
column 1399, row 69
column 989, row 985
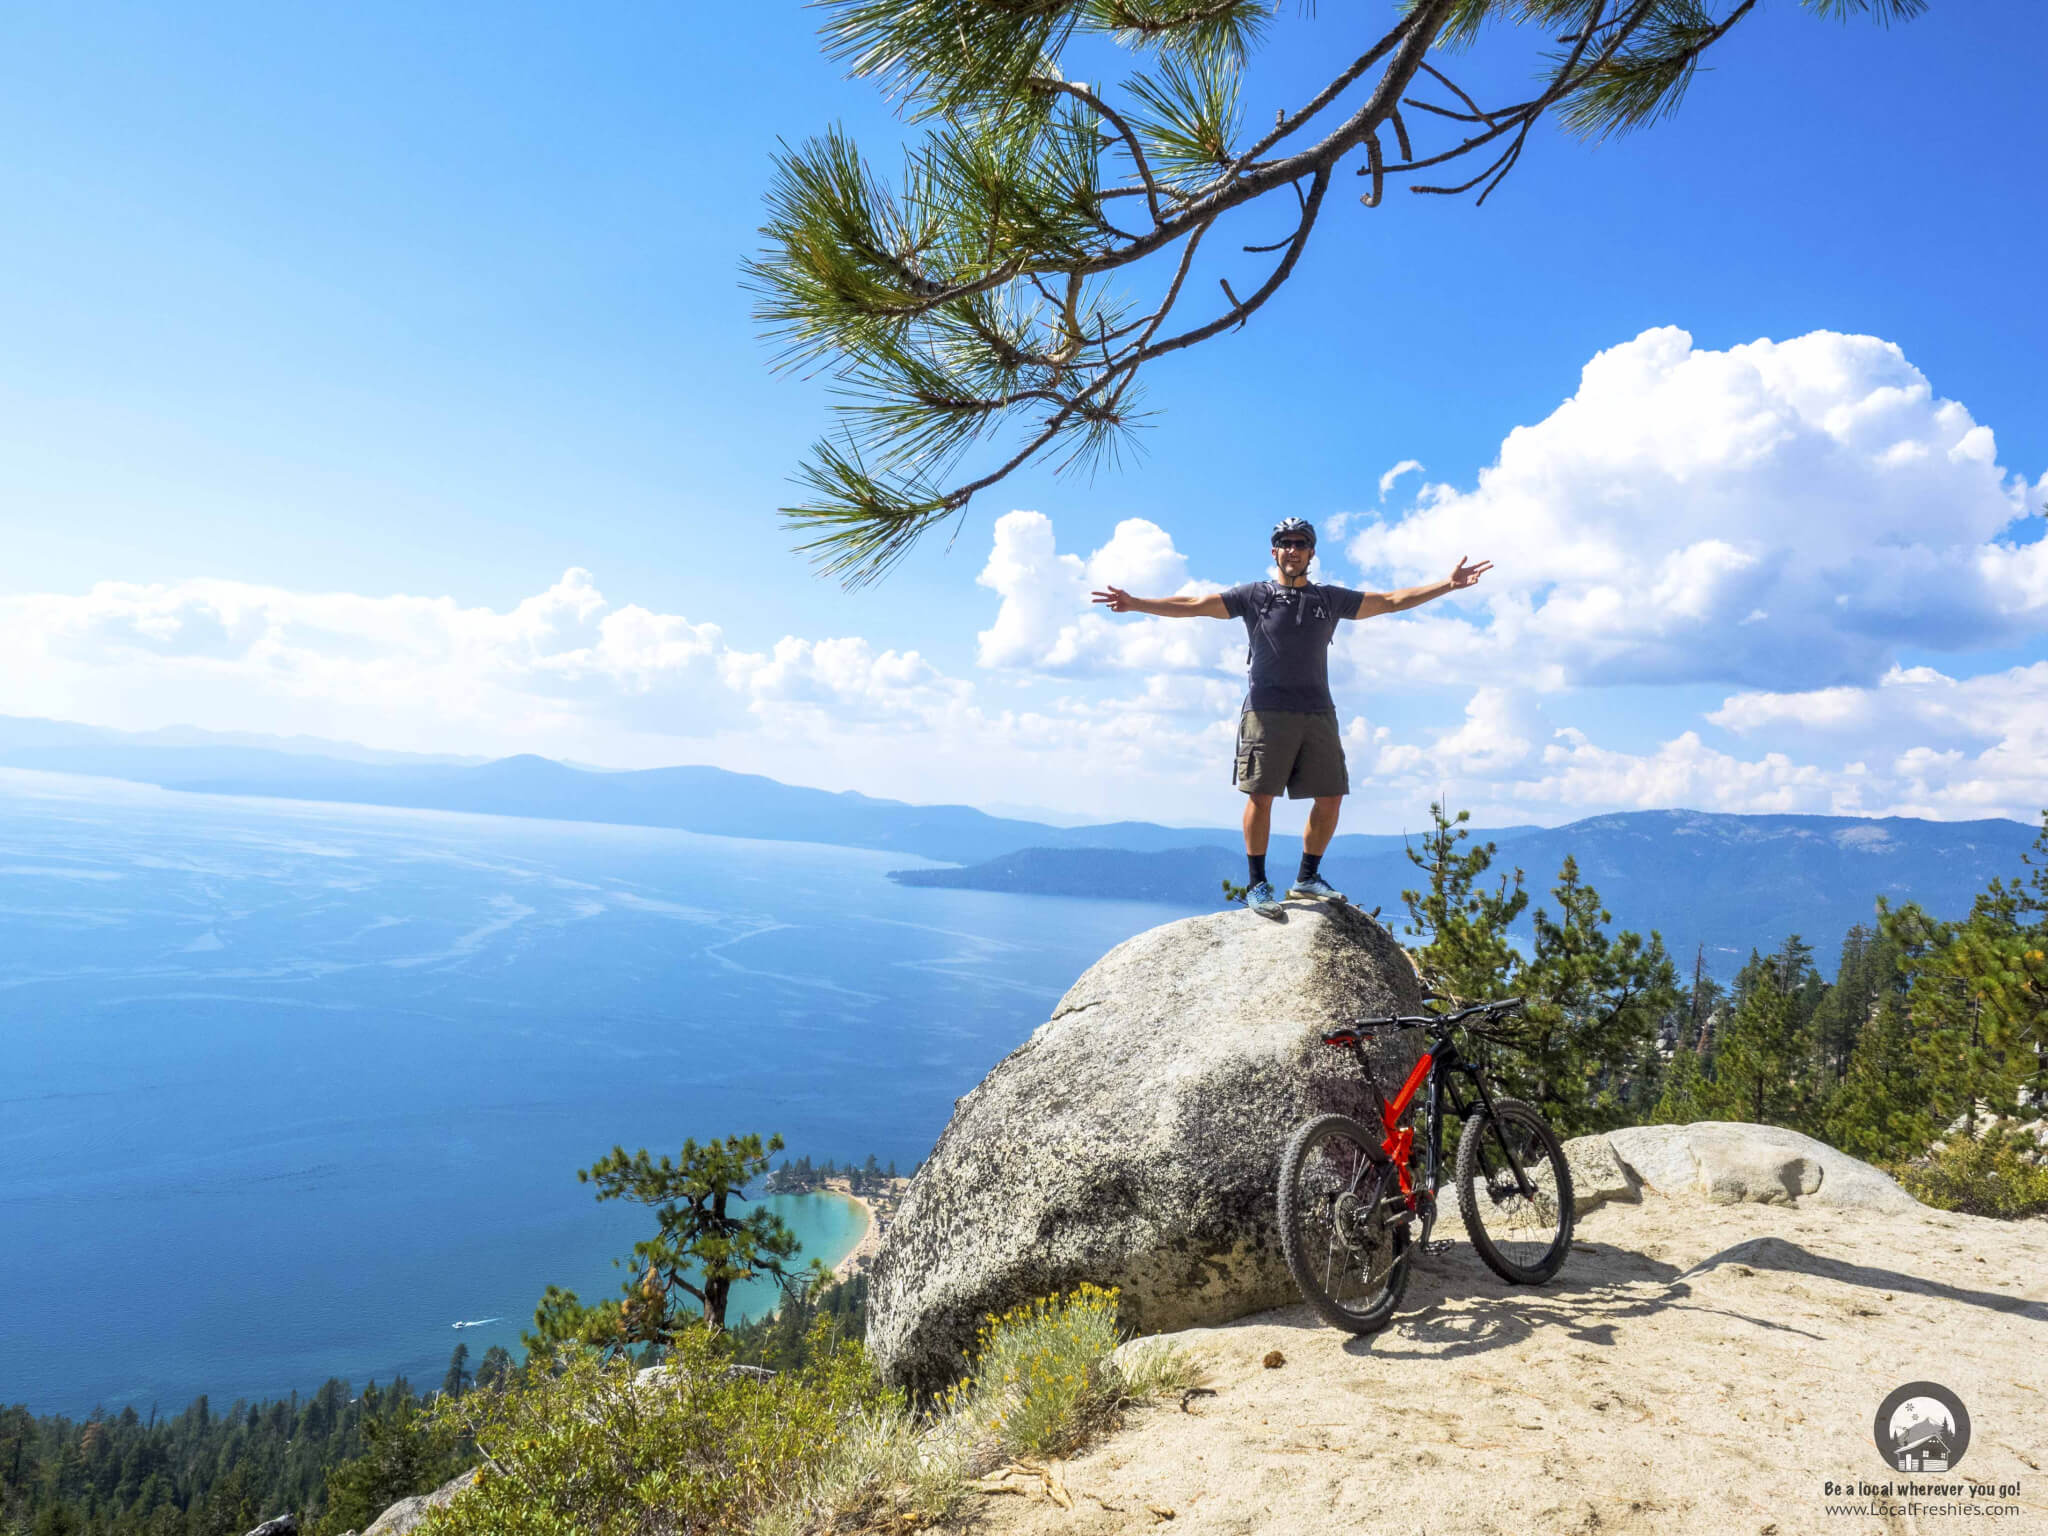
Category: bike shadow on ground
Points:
column 1457, row 1307
column 1779, row 1253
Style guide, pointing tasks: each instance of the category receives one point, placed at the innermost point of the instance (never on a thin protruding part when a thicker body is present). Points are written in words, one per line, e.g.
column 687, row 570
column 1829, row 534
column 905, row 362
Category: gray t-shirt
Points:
column 1290, row 629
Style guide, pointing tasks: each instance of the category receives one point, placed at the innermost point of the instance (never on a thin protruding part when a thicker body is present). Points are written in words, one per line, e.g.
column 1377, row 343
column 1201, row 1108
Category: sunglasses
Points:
column 1293, row 544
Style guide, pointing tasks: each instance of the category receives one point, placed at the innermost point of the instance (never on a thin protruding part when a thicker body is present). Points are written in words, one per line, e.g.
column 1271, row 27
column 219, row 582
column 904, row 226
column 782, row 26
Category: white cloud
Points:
column 569, row 673
column 1048, row 624
column 1782, row 516
column 1778, row 512
column 1405, row 467
column 1975, row 745
column 404, row 671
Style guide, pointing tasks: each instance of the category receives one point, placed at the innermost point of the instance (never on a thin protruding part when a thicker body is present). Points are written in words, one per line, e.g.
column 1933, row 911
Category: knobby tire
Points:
column 1522, row 1240
column 1352, row 1274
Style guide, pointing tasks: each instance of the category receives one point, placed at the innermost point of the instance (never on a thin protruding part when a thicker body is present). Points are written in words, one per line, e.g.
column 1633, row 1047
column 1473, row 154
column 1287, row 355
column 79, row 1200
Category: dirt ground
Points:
column 1693, row 1368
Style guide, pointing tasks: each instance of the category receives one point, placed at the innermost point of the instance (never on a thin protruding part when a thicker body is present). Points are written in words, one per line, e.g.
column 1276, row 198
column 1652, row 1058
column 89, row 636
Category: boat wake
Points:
column 478, row 1322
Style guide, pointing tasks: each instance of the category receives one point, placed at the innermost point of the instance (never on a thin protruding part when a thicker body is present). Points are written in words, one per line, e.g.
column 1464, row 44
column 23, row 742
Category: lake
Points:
column 288, row 1090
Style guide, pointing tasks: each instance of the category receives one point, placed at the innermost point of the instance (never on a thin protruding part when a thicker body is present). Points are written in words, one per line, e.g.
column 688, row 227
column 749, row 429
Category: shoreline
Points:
column 870, row 1242
column 879, row 1209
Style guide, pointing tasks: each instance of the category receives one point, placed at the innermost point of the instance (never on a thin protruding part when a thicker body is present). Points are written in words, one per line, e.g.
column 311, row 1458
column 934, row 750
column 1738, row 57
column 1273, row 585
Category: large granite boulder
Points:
column 1731, row 1163
column 1134, row 1140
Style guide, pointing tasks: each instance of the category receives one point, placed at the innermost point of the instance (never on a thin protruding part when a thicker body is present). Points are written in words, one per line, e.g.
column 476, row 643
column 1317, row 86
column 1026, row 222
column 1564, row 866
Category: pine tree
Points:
column 702, row 1246
column 494, row 1368
column 1847, row 1006
column 1585, row 1049
column 1961, row 1047
column 457, row 1381
column 1684, row 1097
column 1760, row 1065
column 1881, row 1109
column 1466, row 954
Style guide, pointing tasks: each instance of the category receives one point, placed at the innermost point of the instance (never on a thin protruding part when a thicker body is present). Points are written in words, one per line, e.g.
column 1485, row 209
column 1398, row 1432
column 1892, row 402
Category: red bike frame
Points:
column 1435, row 1067
column 1400, row 1143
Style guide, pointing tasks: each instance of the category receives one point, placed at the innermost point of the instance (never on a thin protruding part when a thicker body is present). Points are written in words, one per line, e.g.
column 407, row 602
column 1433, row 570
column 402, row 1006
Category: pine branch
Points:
column 968, row 303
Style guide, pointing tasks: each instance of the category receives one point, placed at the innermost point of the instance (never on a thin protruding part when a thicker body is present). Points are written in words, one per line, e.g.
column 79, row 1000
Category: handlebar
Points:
column 1494, row 1011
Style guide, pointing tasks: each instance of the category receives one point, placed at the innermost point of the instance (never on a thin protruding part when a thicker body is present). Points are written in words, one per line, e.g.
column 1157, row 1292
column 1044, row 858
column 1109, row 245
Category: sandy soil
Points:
column 1694, row 1368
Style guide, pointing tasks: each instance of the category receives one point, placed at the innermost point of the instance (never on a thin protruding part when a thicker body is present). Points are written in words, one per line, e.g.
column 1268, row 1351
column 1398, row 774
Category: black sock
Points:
column 1258, row 864
column 1310, row 863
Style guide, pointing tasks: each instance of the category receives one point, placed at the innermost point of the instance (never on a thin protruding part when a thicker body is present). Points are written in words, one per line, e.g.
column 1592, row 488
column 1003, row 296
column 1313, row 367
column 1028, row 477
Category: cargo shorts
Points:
column 1291, row 751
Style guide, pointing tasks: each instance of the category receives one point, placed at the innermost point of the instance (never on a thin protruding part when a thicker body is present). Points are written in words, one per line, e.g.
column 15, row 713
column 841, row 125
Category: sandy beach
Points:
column 878, row 1211
column 870, row 1239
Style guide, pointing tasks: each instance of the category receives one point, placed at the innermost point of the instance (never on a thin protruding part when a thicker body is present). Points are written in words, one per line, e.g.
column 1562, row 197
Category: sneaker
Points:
column 1260, row 898
column 1316, row 888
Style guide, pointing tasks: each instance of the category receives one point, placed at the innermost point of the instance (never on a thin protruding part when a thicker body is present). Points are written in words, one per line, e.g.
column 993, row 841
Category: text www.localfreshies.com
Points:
column 1922, row 1508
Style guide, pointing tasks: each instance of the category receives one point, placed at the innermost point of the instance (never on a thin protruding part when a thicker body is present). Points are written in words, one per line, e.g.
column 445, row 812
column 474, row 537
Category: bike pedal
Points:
column 1438, row 1245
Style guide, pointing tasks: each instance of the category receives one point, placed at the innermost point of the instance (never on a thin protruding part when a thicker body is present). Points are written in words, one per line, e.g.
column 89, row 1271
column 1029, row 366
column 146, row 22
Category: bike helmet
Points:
column 1295, row 527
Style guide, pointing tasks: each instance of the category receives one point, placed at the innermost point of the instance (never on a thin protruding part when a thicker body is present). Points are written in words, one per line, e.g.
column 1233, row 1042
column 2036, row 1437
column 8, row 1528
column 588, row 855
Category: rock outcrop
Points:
column 1132, row 1141
column 1731, row 1163
column 407, row 1514
column 1701, row 1362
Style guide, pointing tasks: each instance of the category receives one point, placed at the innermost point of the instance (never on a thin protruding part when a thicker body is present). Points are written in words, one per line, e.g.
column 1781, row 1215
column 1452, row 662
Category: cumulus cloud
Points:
column 1920, row 743
column 1776, row 515
column 1781, row 512
column 1507, row 760
column 1047, row 623
column 350, row 665
column 1925, row 739
column 571, row 673
column 1778, row 518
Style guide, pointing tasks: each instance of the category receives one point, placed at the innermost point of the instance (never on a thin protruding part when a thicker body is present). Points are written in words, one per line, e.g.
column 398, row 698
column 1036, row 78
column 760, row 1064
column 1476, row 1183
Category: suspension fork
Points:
column 1526, row 1189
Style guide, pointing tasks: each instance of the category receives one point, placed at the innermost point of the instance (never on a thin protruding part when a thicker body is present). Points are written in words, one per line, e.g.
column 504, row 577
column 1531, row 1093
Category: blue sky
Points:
column 307, row 312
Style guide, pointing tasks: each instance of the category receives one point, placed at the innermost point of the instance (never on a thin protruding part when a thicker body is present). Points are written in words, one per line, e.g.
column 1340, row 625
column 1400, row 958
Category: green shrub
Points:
column 1155, row 1367
column 1985, row 1175
column 589, row 1451
column 886, row 1471
column 406, row 1450
column 1039, row 1381
column 1046, row 1375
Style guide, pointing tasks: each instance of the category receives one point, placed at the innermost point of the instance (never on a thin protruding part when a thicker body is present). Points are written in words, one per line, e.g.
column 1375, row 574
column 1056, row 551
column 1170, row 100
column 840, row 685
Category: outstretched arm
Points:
column 1117, row 600
column 1466, row 574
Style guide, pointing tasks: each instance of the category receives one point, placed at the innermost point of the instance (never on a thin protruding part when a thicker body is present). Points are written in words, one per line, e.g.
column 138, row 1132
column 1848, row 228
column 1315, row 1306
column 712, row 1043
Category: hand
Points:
column 1467, row 574
column 1116, row 599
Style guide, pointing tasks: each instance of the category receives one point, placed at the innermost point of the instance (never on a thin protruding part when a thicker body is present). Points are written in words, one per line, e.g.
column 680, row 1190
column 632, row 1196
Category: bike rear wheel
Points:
column 1338, row 1198
column 1522, row 1234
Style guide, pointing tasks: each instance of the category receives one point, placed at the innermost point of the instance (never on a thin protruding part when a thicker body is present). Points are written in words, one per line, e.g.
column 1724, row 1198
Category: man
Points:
column 1287, row 737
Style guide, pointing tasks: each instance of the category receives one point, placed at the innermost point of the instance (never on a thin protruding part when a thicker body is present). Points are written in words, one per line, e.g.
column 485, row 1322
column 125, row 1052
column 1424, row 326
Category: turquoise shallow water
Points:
column 286, row 1091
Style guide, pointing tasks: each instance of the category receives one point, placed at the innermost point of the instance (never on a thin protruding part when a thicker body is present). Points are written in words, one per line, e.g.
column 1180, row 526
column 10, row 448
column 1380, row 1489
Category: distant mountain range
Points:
column 1729, row 883
column 694, row 799
column 1726, row 882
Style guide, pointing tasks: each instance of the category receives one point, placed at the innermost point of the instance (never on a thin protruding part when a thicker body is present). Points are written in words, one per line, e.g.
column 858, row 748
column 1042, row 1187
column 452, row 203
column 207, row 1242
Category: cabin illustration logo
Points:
column 1922, row 1427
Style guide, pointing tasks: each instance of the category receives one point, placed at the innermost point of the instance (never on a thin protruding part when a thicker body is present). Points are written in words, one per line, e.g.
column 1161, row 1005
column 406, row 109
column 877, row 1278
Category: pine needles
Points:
column 981, row 302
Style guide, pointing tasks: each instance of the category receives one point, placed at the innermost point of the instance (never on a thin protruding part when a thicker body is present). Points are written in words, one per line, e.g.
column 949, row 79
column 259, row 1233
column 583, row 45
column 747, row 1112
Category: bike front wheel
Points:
column 1515, row 1192
column 1342, row 1226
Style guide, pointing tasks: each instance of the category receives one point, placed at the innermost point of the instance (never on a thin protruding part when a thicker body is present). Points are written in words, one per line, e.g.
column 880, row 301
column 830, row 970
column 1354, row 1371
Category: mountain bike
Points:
column 1353, row 1211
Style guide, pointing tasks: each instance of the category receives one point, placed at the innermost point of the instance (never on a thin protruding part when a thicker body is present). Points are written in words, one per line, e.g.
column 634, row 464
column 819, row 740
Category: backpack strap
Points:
column 1258, row 617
